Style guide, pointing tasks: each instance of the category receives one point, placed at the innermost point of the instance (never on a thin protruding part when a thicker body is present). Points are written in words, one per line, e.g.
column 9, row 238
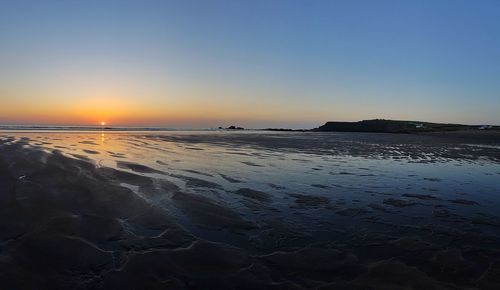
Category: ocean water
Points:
column 350, row 171
column 358, row 191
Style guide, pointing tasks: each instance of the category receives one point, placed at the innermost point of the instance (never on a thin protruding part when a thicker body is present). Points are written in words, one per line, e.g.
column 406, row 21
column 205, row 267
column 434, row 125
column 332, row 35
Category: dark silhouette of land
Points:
column 480, row 133
column 396, row 126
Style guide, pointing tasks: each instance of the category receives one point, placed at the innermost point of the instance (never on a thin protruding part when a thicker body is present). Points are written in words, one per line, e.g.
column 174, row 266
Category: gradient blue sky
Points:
column 251, row 63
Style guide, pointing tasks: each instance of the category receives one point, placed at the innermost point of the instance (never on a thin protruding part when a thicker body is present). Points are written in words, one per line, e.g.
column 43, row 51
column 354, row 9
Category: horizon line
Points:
column 166, row 127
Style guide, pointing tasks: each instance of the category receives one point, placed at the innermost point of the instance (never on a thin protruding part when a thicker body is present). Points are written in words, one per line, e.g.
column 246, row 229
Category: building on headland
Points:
column 418, row 125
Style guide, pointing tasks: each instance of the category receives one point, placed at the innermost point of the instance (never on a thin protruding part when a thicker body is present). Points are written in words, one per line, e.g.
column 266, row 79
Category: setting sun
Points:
column 103, row 123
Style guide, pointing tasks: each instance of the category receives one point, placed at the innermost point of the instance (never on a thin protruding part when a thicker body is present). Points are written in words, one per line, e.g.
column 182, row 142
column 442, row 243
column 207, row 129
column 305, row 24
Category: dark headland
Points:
column 396, row 126
column 393, row 126
column 483, row 133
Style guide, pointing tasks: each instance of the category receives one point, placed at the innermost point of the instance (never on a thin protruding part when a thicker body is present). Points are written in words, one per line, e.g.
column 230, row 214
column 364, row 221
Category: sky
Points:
column 252, row 63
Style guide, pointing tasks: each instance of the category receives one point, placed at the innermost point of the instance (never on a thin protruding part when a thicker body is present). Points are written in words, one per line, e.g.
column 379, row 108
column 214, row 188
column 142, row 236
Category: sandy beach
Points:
column 251, row 210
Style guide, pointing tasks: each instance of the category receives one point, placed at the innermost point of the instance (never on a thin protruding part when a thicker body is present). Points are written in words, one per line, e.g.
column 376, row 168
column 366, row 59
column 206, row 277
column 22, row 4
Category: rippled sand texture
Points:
column 257, row 210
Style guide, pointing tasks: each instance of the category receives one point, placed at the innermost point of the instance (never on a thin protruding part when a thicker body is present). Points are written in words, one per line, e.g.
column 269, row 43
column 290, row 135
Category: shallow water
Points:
column 290, row 191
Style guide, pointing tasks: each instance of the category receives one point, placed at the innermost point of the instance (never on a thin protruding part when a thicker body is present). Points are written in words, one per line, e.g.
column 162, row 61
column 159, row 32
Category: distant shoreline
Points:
column 366, row 126
column 398, row 126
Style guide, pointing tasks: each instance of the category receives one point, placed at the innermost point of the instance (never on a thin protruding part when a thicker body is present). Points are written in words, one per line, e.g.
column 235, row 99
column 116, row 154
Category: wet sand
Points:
column 248, row 211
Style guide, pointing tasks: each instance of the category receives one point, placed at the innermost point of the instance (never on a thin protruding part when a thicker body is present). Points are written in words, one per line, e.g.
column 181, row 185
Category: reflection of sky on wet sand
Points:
column 394, row 181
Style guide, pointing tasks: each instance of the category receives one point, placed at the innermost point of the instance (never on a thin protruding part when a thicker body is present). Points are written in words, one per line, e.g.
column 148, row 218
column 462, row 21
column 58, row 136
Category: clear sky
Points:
column 248, row 62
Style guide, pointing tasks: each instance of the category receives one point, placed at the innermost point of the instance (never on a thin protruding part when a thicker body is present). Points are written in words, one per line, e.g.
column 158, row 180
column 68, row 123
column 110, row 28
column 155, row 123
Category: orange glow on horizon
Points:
column 102, row 108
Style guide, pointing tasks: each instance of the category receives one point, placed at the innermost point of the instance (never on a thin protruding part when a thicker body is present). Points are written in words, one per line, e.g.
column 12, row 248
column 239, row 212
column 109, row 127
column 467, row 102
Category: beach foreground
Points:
column 248, row 210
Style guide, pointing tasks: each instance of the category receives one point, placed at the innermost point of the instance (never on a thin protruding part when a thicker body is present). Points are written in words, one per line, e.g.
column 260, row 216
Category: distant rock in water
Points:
column 234, row 128
column 390, row 126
